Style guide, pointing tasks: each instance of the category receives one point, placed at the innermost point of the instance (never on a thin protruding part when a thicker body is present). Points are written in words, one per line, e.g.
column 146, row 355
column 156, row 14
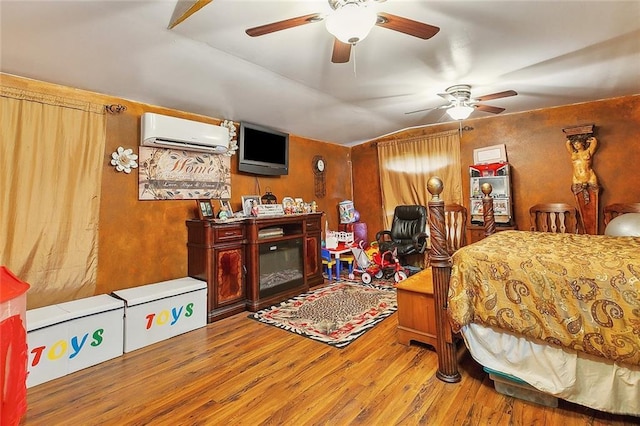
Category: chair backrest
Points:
column 408, row 220
column 456, row 221
column 325, row 254
column 554, row 217
column 613, row 210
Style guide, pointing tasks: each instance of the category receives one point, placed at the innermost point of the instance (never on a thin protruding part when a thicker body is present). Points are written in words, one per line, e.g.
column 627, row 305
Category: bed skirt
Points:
column 573, row 376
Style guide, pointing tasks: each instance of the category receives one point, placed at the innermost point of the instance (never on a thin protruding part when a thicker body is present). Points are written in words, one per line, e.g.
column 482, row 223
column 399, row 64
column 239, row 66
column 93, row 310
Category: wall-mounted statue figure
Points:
column 581, row 145
column 581, row 148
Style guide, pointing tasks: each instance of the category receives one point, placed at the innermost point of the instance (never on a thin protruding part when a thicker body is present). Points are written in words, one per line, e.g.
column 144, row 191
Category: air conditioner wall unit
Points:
column 163, row 131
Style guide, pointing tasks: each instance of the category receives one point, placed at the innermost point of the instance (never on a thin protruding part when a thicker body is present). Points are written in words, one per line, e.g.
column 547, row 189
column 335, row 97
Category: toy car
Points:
column 372, row 263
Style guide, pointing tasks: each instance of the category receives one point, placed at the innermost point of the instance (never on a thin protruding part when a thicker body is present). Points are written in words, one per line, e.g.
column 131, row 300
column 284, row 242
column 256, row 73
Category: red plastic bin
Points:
column 13, row 348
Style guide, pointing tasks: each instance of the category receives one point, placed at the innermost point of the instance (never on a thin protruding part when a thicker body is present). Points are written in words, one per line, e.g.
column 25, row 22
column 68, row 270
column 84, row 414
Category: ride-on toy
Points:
column 371, row 263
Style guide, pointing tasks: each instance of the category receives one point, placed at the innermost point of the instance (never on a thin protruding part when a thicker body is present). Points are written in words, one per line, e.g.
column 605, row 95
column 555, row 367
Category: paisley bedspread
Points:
column 576, row 291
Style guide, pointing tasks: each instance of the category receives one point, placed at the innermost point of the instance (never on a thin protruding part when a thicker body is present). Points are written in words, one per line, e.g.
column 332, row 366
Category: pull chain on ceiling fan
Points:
column 461, row 105
column 349, row 23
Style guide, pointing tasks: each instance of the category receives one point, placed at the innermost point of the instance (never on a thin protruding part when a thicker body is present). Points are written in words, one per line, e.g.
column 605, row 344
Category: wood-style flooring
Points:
column 240, row 372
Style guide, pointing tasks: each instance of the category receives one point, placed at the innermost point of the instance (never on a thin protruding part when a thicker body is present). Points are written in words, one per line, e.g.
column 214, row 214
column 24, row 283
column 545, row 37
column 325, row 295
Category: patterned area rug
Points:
column 336, row 315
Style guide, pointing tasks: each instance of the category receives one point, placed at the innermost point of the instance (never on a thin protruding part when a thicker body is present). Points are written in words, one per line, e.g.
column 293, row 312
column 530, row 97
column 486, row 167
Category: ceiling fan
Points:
column 461, row 104
column 350, row 22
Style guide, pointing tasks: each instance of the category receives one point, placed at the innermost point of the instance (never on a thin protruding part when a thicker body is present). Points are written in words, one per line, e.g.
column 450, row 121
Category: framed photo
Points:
column 248, row 204
column 225, row 206
column 205, row 209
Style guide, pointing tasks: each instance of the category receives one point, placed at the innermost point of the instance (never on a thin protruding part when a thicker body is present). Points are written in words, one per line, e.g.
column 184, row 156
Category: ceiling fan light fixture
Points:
column 460, row 111
column 352, row 22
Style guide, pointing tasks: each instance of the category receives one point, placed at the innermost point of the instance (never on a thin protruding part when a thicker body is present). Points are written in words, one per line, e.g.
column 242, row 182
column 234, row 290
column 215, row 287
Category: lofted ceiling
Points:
column 550, row 52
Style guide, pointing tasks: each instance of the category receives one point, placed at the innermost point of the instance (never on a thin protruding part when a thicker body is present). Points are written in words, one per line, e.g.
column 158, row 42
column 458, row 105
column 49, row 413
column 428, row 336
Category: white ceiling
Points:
column 551, row 52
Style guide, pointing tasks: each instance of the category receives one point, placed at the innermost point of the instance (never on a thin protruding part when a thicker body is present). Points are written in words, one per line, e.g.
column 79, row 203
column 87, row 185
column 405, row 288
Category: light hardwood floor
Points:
column 240, row 372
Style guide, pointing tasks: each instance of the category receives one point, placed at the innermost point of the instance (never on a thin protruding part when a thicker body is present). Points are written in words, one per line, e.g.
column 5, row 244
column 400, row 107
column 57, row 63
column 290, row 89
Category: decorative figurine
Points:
column 581, row 145
column 224, row 213
column 581, row 149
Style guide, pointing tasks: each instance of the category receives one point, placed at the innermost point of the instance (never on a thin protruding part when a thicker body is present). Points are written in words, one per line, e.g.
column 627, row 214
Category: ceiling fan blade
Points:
column 489, row 108
column 407, row 26
column 498, row 95
column 419, row 110
column 184, row 9
column 283, row 25
column 341, row 52
column 429, row 109
column 447, row 97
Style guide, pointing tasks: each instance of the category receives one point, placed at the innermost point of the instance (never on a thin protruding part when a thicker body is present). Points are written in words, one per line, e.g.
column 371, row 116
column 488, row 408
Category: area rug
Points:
column 336, row 315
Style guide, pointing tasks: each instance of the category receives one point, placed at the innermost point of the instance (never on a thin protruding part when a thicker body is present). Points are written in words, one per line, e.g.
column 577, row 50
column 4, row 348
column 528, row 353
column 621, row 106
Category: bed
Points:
column 560, row 312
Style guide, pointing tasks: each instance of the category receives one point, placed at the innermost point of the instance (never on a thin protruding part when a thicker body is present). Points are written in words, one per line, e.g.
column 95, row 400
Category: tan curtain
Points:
column 406, row 166
column 51, row 154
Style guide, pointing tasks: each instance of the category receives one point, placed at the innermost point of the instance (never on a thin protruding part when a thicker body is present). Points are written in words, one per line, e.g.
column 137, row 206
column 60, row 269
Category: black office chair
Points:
column 408, row 233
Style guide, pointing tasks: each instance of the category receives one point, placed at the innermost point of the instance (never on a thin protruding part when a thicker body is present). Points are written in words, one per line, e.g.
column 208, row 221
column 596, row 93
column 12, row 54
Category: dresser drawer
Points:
column 228, row 233
column 313, row 225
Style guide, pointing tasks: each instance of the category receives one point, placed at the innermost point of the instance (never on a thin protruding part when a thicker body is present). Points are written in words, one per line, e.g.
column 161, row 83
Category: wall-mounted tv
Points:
column 262, row 151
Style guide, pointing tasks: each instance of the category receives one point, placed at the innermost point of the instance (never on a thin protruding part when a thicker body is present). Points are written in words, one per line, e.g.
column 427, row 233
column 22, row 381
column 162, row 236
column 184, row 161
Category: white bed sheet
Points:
column 573, row 376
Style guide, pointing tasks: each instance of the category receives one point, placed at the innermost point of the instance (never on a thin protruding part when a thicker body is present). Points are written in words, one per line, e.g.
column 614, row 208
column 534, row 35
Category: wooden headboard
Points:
column 441, row 269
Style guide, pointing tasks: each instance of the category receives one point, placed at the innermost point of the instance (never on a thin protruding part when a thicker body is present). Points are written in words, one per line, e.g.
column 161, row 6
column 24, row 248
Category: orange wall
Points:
column 143, row 242
column 535, row 143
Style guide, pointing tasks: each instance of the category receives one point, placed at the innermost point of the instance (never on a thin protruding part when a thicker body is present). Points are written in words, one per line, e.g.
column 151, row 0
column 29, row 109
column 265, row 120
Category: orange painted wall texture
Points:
column 535, row 144
column 142, row 242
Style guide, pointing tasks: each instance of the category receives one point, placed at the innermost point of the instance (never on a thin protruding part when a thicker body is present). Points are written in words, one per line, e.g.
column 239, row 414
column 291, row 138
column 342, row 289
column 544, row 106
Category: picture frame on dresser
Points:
column 226, row 205
column 248, row 202
column 205, row 209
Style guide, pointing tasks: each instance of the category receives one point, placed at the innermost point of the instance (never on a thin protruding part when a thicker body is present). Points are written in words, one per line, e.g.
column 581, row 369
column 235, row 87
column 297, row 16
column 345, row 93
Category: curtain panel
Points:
column 51, row 155
column 406, row 165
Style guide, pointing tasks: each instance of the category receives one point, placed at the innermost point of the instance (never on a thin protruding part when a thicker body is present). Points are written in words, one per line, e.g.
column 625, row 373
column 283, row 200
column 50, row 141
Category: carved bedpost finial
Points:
column 438, row 255
column 487, row 210
column 435, row 186
column 486, row 189
column 441, row 272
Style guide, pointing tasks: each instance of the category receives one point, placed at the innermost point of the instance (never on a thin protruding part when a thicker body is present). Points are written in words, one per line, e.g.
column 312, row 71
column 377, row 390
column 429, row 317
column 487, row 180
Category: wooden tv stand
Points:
column 226, row 254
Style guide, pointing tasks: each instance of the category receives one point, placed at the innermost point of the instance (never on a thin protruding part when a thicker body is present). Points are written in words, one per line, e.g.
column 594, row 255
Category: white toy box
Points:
column 156, row 312
column 70, row 336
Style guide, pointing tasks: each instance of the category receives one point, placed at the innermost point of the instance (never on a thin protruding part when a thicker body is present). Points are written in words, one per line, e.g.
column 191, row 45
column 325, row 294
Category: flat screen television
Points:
column 262, row 151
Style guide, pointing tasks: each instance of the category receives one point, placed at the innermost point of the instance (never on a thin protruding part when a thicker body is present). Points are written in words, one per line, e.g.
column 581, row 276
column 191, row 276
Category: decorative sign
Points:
column 490, row 154
column 270, row 210
column 168, row 174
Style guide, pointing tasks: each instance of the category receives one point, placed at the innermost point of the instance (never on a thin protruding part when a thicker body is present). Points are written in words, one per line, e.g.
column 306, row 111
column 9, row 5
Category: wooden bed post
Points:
column 487, row 210
column 441, row 269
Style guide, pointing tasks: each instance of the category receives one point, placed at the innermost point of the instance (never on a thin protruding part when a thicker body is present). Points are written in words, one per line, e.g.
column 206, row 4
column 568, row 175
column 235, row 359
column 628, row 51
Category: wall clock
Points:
column 319, row 169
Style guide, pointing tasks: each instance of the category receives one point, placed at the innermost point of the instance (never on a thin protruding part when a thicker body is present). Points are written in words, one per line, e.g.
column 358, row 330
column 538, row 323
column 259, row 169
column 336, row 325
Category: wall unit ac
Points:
column 163, row 131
